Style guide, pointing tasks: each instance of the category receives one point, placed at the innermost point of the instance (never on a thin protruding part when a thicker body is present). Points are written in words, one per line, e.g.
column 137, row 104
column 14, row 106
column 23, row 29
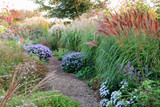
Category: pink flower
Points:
column 21, row 40
column 5, row 9
column 3, row 16
column 12, row 31
column 105, row 6
column 9, row 36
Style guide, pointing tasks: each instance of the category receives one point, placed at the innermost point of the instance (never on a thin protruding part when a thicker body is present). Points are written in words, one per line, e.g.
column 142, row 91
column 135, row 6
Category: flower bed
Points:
column 39, row 50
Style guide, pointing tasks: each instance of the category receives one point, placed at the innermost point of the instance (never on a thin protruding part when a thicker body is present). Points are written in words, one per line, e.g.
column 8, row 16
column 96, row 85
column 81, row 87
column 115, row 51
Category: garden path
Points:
column 69, row 85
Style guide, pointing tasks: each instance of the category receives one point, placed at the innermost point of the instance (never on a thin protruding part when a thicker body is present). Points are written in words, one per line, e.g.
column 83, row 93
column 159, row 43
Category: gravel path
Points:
column 69, row 85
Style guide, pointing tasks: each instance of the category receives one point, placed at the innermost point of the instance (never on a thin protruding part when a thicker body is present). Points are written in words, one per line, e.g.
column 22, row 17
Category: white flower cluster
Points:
column 122, row 103
column 104, row 102
column 116, row 99
column 115, row 96
column 123, row 84
column 104, row 89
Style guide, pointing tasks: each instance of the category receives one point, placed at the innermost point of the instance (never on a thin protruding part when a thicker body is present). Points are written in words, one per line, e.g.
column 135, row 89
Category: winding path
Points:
column 69, row 85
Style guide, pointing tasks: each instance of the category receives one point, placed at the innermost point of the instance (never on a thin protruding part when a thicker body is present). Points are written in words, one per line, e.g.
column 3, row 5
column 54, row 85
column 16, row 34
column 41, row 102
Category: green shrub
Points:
column 11, row 52
column 61, row 53
column 146, row 95
column 72, row 36
column 75, row 40
column 43, row 99
column 86, row 73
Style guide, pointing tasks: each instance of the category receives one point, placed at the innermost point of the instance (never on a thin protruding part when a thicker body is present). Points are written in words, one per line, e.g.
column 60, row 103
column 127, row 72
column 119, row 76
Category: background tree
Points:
column 67, row 8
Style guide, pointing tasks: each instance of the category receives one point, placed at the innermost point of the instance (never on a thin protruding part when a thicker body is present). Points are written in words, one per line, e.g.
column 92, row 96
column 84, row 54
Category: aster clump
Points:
column 39, row 50
column 115, row 98
column 73, row 62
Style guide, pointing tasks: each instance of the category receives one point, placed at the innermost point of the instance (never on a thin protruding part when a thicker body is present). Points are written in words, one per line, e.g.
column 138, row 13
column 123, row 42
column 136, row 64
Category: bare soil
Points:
column 69, row 85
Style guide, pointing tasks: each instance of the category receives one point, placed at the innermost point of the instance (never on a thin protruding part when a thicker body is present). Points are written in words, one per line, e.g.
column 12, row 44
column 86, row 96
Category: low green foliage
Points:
column 86, row 73
column 43, row 99
column 145, row 95
column 148, row 94
column 61, row 53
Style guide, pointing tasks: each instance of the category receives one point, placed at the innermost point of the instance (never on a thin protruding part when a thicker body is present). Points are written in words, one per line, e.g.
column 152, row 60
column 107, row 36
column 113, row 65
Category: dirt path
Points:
column 69, row 85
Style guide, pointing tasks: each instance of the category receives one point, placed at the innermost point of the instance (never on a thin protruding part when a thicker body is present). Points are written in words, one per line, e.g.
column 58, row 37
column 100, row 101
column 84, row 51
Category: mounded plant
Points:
column 73, row 62
column 39, row 50
column 43, row 99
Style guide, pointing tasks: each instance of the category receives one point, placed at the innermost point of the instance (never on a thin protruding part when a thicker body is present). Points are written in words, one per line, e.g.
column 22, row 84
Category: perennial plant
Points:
column 39, row 50
column 73, row 62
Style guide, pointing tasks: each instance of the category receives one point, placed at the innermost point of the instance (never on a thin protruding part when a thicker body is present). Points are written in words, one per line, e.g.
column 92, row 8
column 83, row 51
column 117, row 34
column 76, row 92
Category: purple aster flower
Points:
column 73, row 62
column 41, row 51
